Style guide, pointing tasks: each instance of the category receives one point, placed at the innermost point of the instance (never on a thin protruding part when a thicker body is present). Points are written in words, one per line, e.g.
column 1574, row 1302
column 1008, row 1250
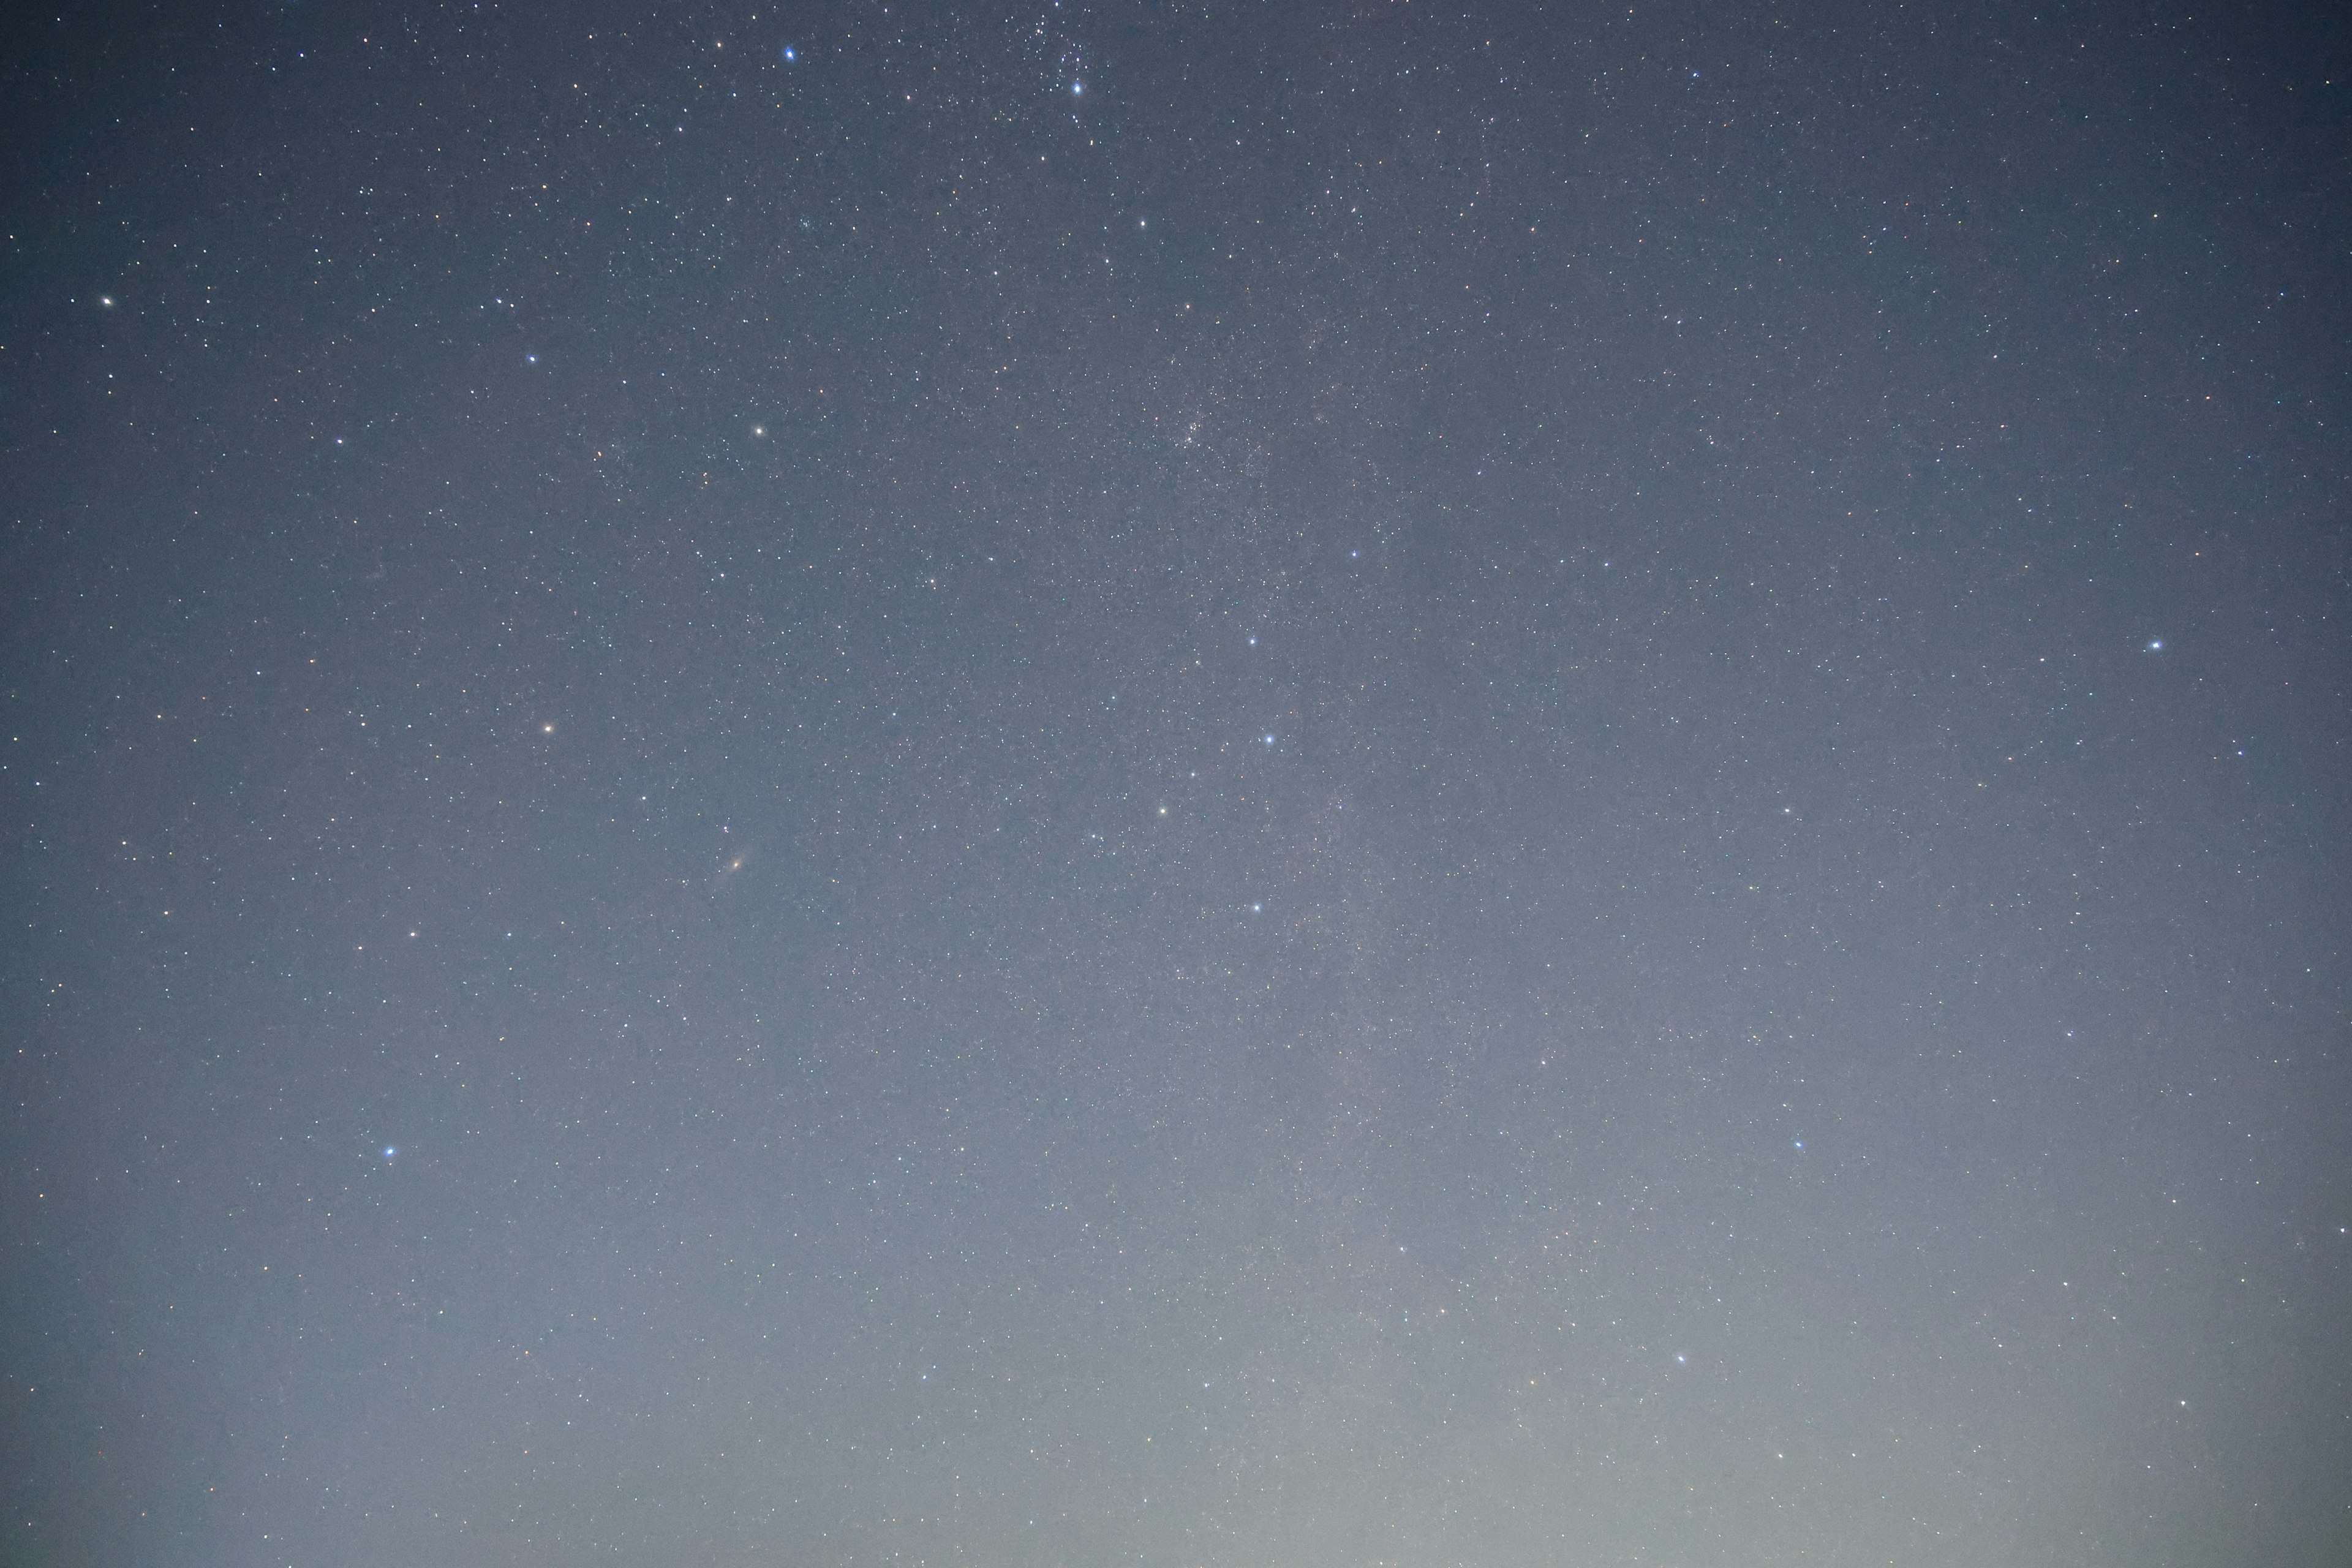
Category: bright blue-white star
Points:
column 1077, row 90
column 1795, row 1143
column 790, row 53
column 2156, row 645
column 390, row 1151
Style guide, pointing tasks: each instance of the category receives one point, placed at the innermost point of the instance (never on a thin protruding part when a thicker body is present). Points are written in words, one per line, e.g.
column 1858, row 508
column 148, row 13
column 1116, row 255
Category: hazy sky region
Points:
column 1353, row 784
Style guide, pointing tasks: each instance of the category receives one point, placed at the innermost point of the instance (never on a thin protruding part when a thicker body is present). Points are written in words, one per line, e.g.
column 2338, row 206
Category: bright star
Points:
column 390, row 1150
column 2156, row 645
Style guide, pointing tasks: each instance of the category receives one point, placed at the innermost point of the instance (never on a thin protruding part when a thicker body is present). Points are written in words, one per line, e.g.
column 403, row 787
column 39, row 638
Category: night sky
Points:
column 1323, row 786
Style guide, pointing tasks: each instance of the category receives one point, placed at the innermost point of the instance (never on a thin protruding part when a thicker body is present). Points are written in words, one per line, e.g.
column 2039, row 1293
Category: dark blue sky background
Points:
column 1173, row 783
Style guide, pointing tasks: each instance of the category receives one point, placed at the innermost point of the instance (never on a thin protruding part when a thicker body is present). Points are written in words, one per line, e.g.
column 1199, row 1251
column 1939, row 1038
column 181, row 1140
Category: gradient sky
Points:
column 1309, row 784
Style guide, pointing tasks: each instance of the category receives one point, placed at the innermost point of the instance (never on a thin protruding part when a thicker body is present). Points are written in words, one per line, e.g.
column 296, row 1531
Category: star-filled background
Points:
column 1319, row 784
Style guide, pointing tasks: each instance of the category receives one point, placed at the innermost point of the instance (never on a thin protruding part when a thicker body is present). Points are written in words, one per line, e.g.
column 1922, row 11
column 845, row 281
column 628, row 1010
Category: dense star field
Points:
column 1241, row 785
